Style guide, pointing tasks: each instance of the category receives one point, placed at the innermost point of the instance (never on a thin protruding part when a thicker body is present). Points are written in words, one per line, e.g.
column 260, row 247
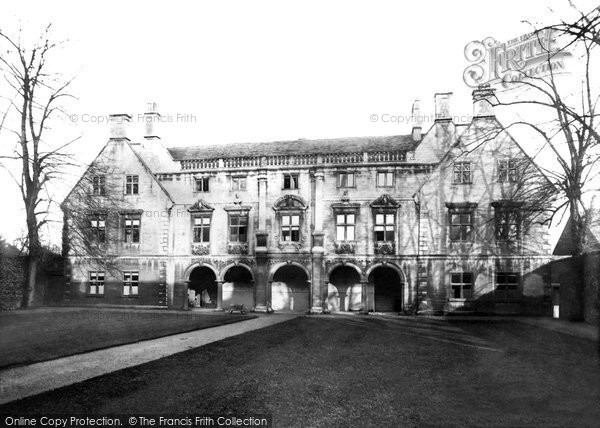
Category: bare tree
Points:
column 35, row 100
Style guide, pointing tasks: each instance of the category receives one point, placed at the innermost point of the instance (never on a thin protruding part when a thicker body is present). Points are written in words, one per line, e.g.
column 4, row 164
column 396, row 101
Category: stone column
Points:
column 219, row 295
column 261, row 281
column 364, row 298
column 318, row 249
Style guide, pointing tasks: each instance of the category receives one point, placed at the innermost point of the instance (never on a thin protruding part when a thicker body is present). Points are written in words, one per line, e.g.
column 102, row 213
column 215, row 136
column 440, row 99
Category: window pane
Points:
column 389, row 178
column 340, row 219
column 295, row 235
column 381, row 178
column 205, row 234
column 389, row 219
column 340, row 233
column 285, row 220
column 454, row 219
column 350, row 219
column 389, row 235
column 350, row 233
column 456, row 278
column 134, row 290
column 379, row 218
column 465, row 218
column 295, row 220
column 379, row 236
column 456, row 292
column 467, row 277
column 350, row 180
column 455, row 233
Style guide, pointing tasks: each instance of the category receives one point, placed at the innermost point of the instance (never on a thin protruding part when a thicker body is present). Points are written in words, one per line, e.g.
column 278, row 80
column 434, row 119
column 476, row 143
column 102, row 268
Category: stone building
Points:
column 350, row 224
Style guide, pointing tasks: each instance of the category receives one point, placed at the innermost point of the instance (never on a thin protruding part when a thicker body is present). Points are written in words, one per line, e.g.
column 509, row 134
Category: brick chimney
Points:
column 118, row 124
column 151, row 121
column 442, row 106
column 484, row 101
column 417, row 120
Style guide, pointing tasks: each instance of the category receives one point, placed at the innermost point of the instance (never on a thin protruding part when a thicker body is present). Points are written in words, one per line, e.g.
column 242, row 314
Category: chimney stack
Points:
column 484, row 101
column 118, row 124
column 417, row 119
column 151, row 121
column 442, row 106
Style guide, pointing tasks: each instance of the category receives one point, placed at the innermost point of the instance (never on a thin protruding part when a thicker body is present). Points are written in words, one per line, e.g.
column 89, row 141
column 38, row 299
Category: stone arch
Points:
column 231, row 265
column 290, row 287
column 386, row 288
column 238, row 288
column 393, row 266
column 190, row 268
column 277, row 266
column 338, row 264
column 344, row 287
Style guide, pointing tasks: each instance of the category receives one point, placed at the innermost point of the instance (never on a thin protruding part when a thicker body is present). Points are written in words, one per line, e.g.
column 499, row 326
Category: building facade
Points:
column 429, row 220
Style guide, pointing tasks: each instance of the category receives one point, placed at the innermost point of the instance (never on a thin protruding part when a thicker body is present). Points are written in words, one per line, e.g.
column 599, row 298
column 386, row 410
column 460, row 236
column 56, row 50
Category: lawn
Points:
column 360, row 371
column 43, row 334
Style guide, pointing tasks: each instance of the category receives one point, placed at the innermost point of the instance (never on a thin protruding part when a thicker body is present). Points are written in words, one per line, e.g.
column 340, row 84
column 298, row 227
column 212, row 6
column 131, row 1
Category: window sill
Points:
column 94, row 295
column 462, row 300
column 130, row 296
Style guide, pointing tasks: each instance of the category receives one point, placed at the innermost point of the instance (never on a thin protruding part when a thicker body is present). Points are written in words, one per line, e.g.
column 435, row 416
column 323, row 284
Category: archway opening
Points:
column 387, row 287
column 290, row 290
column 238, row 287
column 344, row 290
column 202, row 289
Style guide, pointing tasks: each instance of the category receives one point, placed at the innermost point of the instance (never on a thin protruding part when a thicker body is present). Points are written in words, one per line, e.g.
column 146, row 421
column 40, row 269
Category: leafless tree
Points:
column 35, row 99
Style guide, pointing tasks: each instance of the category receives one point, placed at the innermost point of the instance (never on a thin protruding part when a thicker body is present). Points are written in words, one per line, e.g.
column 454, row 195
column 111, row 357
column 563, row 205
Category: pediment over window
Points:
column 385, row 201
column 345, row 206
column 290, row 202
column 200, row 206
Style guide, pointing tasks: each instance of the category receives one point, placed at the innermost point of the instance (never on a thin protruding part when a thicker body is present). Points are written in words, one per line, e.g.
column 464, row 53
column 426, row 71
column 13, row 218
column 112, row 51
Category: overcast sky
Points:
column 262, row 70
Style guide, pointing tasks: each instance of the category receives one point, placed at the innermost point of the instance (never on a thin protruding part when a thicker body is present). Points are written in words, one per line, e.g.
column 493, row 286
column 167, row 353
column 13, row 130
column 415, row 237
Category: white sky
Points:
column 261, row 70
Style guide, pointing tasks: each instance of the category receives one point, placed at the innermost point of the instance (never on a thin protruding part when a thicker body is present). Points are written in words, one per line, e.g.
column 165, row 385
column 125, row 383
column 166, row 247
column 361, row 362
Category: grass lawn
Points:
column 43, row 334
column 354, row 371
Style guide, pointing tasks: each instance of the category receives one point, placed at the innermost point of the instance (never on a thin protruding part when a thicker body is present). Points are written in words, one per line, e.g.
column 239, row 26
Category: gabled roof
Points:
column 324, row 146
column 464, row 134
column 138, row 157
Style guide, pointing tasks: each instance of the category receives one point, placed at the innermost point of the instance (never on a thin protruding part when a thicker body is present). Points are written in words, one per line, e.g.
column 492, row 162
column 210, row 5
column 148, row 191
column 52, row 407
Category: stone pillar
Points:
column 364, row 297
column 219, row 295
column 318, row 248
column 261, row 281
column 317, row 286
column 319, row 177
